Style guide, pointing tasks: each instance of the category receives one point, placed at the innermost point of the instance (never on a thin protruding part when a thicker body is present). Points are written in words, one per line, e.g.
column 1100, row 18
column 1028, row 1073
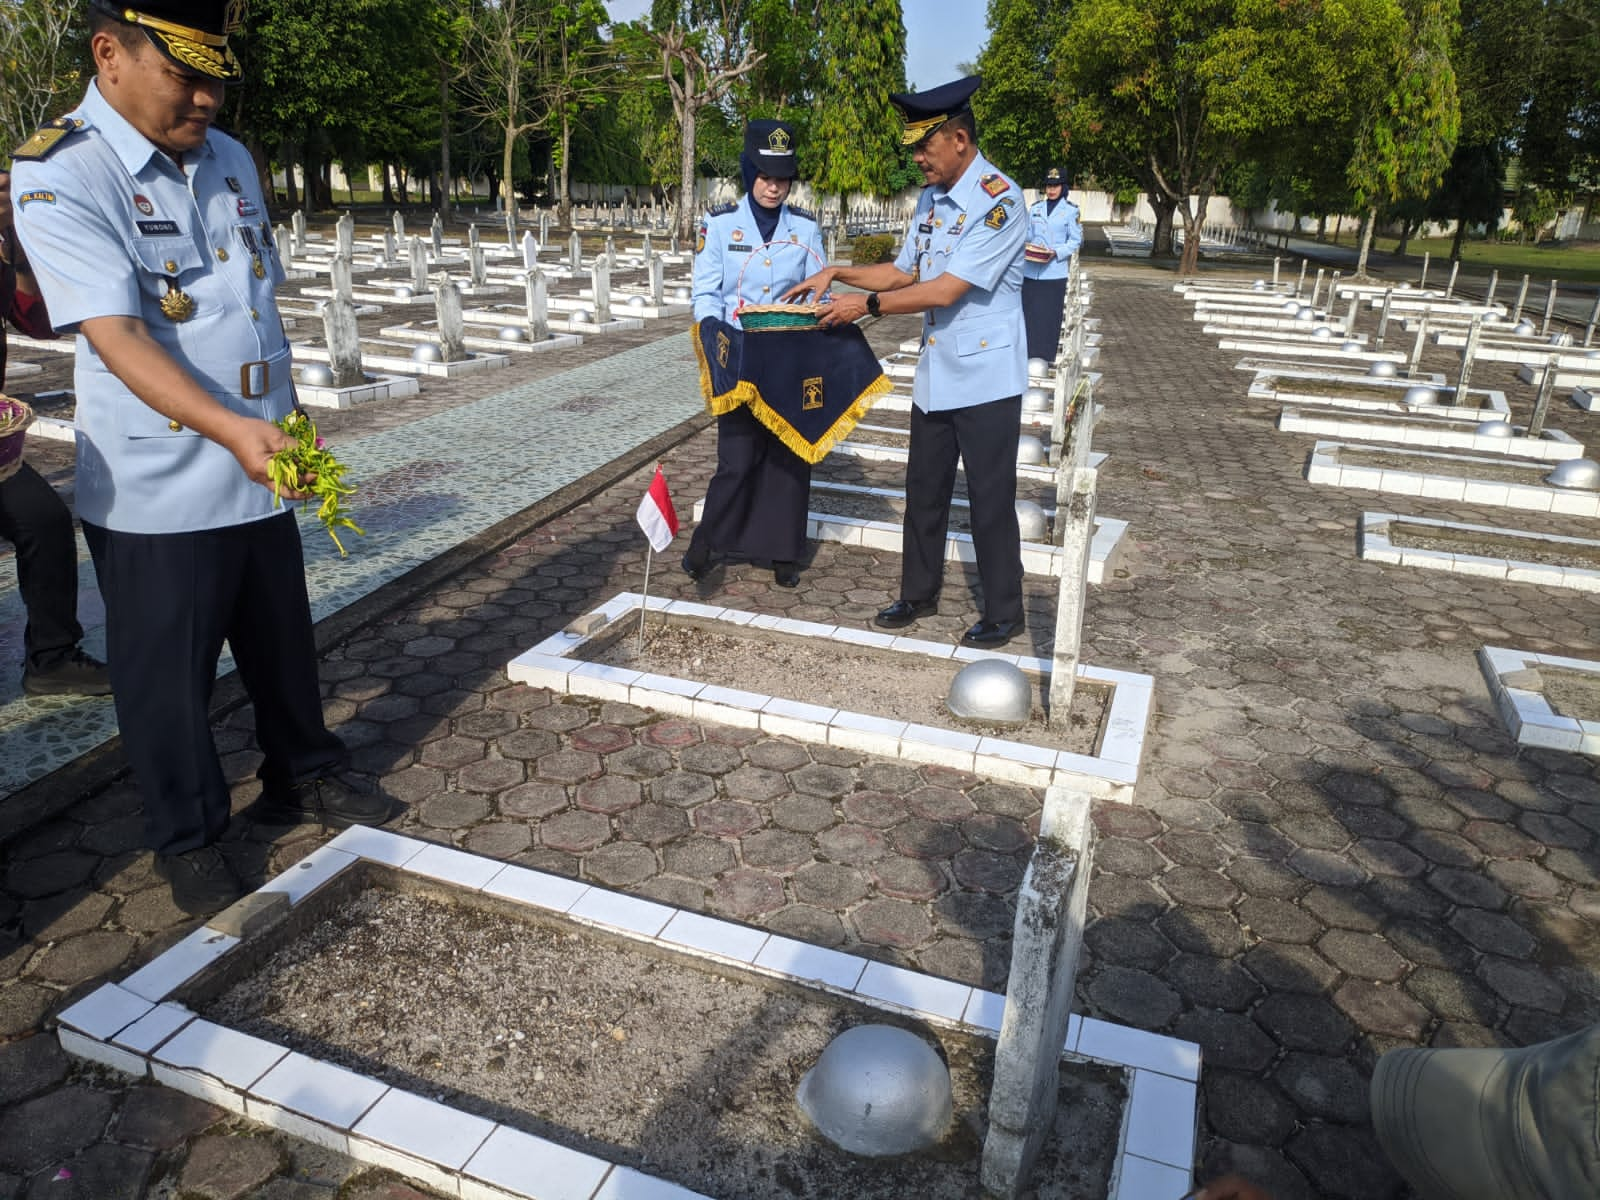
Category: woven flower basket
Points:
column 15, row 417
column 771, row 318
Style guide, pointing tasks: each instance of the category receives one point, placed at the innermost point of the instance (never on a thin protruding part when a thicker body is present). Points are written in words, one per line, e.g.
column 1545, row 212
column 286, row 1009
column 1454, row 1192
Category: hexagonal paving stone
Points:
column 925, row 839
column 1133, row 997
column 654, row 824
column 909, row 878
column 639, row 762
column 987, row 871
column 829, row 886
column 1289, row 968
column 852, row 844
column 709, row 758
column 698, row 857
column 754, row 784
column 574, row 831
column 682, row 789
column 1128, row 944
column 1301, row 1022
column 776, row 849
column 452, row 752
column 1522, row 983
column 895, row 923
column 1380, row 1008
column 1451, row 995
column 1199, row 887
column 1229, row 1041
column 1361, row 954
column 1247, row 1109
column 1202, row 979
column 528, row 743
column 819, row 779
column 1324, row 1086
column 602, row 739
column 878, row 809
column 490, row 775
column 747, row 893
column 561, row 717
column 608, row 794
column 774, row 754
column 1004, row 835
column 84, row 957
column 620, row 864
column 453, row 810
column 1467, row 887
column 1493, row 933
column 533, row 801
column 944, row 805
column 803, row 814
column 1278, row 920
column 726, row 818
column 568, row 766
column 807, row 923
column 1344, row 908
column 1203, row 931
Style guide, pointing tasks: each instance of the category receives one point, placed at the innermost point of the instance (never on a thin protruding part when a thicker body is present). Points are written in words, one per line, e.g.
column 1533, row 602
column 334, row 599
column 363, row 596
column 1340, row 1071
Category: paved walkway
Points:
column 1334, row 847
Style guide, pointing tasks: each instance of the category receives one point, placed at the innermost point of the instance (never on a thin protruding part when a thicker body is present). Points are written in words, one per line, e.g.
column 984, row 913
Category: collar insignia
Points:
column 142, row 203
column 994, row 184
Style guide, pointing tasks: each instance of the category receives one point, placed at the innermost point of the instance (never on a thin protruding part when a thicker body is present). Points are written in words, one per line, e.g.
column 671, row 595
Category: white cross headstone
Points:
column 344, row 342
column 600, row 277
column 575, row 253
column 658, row 280
column 538, row 294
column 452, row 329
column 419, row 265
column 344, row 233
column 530, row 251
column 475, row 265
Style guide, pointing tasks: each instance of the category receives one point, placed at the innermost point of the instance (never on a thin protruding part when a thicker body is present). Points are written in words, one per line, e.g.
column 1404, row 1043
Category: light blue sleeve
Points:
column 813, row 243
column 986, row 252
column 906, row 261
column 1074, row 237
column 83, row 264
column 708, row 273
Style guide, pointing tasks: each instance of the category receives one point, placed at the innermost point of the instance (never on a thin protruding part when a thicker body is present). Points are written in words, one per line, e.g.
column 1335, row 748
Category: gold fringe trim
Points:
column 741, row 392
column 815, row 452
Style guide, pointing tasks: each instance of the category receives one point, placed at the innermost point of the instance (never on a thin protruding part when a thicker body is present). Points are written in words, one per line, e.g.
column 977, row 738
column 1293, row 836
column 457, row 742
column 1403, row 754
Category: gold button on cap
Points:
column 222, row 255
column 175, row 426
column 171, row 265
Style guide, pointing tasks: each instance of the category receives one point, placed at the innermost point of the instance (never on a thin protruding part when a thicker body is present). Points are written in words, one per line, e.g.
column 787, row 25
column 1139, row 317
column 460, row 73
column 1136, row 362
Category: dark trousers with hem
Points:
column 1044, row 302
column 171, row 600
column 35, row 520
column 983, row 437
column 756, row 501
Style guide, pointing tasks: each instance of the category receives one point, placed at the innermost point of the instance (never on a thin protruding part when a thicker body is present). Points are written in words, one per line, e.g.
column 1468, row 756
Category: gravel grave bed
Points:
column 1300, row 390
column 879, row 436
column 866, row 472
column 1441, row 464
column 654, row 1059
column 1574, row 694
column 1493, row 545
column 880, row 683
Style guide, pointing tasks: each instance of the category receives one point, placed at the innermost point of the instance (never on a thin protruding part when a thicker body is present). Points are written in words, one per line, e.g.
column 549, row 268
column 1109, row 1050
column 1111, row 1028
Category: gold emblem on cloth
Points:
column 811, row 393
column 257, row 267
column 723, row 346
column 778, row 141
column 177, row 304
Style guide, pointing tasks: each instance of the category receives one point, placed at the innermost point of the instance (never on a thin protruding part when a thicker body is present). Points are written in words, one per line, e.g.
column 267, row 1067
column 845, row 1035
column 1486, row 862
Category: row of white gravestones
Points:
column 419, row 266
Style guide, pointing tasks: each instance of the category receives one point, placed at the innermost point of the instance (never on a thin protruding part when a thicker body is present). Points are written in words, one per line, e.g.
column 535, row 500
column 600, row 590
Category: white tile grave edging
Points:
column 1375, row 545
column 142, row 1033
column 1527, row 714
column 1111, row 771
column 1324, row 467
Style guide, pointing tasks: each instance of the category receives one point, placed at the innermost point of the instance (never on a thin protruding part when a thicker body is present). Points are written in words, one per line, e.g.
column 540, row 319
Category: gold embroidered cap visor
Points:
column 924, row 112
column 192, row 33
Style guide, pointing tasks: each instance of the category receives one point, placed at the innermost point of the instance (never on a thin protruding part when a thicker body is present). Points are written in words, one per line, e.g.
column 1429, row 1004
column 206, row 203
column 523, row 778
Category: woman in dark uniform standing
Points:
column 751, row 252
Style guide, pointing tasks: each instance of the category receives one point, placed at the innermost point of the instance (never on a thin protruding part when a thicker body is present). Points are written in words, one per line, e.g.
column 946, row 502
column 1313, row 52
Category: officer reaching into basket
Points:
column 961, row 266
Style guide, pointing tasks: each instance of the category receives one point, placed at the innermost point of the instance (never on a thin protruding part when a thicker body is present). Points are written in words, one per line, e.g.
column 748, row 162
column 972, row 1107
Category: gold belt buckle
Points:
column 249, row 386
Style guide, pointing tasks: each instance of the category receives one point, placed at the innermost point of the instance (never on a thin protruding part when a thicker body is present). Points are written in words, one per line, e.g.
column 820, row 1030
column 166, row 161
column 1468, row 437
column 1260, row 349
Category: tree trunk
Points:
column 1407, row 228
column 1189, row 264
column 1161, row 236
column 1368, row 224
column 564, row 205
column 1322, row 227
column 291, row 189
column 685, row 218
column 1455, row 241
column 388, row 188
column 441, row 195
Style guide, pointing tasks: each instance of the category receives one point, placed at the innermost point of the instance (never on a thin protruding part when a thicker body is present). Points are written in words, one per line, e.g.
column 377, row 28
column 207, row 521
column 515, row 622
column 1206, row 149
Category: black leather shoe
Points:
column 902, row 613
column 202, row 881
column 786, row 574
column 696, row 566
column 992, row 633
column 76, row 675
column 337, row 800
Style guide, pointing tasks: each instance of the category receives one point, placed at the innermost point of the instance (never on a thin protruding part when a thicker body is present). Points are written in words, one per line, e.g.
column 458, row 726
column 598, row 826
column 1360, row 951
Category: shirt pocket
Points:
column 982, row 338
column 166, row 257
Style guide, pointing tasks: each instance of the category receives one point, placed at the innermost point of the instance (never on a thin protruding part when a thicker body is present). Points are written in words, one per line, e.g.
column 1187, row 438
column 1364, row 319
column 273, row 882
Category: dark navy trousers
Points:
column 35, row 520
column 172, row 599
column 756, row 501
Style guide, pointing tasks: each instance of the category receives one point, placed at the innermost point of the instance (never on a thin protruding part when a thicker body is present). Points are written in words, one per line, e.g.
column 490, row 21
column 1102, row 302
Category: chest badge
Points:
column 142, row 203
column 737, row 235
column 177, row 305
column 996, row 217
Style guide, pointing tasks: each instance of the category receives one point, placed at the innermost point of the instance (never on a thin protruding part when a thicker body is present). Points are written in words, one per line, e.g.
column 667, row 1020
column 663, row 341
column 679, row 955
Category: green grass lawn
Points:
column 1577, row 262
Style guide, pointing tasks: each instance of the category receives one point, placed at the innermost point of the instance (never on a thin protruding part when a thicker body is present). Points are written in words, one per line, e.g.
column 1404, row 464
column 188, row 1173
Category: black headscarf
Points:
column 766, row 218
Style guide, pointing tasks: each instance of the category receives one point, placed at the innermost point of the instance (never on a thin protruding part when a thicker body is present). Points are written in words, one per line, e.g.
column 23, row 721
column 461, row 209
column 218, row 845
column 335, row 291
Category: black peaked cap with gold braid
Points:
column 924, row 112
column 192, row 33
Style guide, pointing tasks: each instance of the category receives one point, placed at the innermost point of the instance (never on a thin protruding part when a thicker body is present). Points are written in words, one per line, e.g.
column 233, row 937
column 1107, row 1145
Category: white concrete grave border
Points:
column 1375, row 545
column 1110, row 772
column 1527, row 714
column 136, row 1027
column 1324, row 467
column 1424, row 429
column 1038, row 558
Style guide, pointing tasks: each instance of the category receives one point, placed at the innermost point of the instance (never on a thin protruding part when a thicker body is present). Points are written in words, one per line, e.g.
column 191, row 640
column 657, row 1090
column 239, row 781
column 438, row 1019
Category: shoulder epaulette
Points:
column 802, row 212
column 723, row 210
column 46, row 138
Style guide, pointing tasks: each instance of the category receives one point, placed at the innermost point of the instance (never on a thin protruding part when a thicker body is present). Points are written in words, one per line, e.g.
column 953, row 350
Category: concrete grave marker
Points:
column 530, row 251
column 611, row 252
column 538, row 294
column 452, row 329
column 297, row 223
column 344, row 233
column 344, row 342
column 388, row 246
column 600, row 275
column 658, row 280
column 399, row 222
column 343, row 284
column 285, row 246
column 419, row 266
column 472, row 235
column 544, row 228
column 575, row 253
column 437, row 232
column 649, row 250
column 475, row 265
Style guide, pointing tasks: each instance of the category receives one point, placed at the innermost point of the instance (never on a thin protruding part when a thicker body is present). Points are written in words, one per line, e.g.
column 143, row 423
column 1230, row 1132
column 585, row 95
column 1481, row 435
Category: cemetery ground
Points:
column 1334, row 846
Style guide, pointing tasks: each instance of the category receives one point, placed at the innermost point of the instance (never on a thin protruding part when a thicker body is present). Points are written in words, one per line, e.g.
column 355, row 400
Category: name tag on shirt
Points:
column 925, row 227
column 158, row 228
column 742, row 249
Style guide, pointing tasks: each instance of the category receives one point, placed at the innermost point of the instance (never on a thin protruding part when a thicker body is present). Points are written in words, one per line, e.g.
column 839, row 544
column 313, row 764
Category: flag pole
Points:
column 644, row 601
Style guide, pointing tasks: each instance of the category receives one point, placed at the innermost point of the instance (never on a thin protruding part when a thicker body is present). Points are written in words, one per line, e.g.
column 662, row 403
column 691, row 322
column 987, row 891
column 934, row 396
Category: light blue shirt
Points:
column 973, row 351
column 732, row 266
column 110, row 223
column 1060, row 230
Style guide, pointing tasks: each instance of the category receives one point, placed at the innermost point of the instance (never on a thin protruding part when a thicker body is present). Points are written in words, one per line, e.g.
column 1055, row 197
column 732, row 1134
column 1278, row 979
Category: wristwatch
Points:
column 872, row 304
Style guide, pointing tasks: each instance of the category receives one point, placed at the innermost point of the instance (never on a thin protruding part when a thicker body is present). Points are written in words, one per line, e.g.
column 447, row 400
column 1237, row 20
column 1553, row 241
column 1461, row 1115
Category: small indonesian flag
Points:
column 656, row 516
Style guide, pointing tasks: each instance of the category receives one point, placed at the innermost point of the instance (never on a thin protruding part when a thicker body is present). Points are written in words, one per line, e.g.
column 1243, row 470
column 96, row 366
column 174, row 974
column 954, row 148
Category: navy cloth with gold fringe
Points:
column 809, row 387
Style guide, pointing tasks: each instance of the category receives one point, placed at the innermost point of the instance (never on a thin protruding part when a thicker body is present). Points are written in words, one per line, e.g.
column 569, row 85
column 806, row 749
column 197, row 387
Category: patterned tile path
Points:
column 1334, row 848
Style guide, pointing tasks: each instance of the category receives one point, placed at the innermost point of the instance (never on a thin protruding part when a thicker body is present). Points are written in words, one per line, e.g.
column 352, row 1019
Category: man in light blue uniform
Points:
column 1054, row 235
column 151, row 241
column 961, row 266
